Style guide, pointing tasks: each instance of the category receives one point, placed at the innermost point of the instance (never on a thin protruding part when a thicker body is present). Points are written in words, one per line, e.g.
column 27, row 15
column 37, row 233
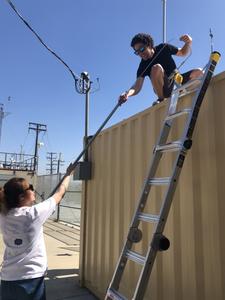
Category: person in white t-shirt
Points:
column 25, row 261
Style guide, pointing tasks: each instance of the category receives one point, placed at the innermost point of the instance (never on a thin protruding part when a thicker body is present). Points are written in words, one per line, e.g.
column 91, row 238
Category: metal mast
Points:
column 164, row 21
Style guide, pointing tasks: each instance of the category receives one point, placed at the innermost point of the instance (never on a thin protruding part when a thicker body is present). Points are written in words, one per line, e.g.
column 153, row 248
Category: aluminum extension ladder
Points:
column 159, row 242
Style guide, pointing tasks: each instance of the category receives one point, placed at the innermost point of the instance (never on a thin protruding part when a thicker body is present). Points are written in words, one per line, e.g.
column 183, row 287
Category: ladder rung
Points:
column 173, row 146
column 160, row 181
column 188, row 84
column 148, row 217
column 136, row 257
column 178, row 114
column 115, row 295
column 187, row 91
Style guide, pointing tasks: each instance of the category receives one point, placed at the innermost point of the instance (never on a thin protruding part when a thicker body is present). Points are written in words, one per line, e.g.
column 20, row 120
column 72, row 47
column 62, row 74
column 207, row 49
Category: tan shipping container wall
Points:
column 194, row 266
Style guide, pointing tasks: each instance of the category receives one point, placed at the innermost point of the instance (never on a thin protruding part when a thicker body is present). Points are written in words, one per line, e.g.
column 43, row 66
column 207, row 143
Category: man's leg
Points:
column 196, row 73
column 192, row 74
column 157, row 79
column 161, row 84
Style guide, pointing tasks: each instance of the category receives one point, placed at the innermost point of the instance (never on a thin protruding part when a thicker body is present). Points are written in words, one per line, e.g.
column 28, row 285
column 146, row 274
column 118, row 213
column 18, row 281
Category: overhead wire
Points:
column 25, row 140
column 186, row 58
column 74, row 75
column 48, row 141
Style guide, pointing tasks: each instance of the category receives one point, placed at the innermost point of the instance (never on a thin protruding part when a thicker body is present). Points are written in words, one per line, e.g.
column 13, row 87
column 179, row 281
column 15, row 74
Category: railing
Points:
column 16, row 161
column 69, row 213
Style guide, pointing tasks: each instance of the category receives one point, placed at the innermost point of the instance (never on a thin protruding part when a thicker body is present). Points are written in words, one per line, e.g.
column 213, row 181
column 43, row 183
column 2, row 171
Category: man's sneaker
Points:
column 157, row 101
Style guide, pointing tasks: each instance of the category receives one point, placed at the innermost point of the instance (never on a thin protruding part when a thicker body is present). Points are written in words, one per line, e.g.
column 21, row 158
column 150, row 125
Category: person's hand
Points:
column 70, row 169
column 186, row 39
column 123, row 98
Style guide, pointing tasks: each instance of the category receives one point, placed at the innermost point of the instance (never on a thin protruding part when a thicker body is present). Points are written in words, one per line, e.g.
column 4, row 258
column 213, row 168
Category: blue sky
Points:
column 93, row 36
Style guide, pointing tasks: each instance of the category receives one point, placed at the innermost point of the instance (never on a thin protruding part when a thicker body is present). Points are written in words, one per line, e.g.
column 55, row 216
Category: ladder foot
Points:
column 160, row 242
column 188, row 144
column 135, row 235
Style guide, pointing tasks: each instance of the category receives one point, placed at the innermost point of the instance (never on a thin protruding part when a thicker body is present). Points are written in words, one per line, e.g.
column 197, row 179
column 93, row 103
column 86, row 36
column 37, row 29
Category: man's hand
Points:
column 123, row 98
column 186, row 47
column 186, row 39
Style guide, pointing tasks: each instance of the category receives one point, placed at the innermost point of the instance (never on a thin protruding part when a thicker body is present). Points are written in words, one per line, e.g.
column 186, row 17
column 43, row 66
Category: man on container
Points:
column 157, row 63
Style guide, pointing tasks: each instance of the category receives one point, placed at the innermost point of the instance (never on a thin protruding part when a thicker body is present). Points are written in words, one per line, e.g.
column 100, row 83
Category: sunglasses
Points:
column 30, row 188
column 140, row 50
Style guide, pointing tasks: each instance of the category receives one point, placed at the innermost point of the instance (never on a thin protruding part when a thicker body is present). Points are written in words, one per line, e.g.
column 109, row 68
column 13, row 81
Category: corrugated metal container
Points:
column 194, row 266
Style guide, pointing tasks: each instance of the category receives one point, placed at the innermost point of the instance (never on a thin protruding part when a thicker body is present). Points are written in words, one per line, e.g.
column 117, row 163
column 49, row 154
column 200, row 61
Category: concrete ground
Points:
column 62, row 281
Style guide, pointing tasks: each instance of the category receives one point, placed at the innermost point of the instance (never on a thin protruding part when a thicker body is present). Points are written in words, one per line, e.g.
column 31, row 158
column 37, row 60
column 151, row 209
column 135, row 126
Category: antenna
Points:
column 211, row 39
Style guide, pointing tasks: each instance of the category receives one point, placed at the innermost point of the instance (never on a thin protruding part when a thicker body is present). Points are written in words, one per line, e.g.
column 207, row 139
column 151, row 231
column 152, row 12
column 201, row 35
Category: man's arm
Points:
column 187, row 45
column 134, row 90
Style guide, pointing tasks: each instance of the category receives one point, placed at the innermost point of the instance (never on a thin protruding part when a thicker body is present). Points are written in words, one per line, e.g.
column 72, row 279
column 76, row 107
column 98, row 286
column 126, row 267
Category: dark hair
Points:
column 143, row 38
column 10, row 193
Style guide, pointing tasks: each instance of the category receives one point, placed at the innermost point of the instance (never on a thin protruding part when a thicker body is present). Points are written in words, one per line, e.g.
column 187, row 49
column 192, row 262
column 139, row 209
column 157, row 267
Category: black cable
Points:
column 75, row 76
column 154, row 58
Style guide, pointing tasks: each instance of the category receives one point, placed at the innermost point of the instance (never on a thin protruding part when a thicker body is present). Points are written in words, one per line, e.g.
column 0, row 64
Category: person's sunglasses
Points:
column 30, row 188
column 140, row 50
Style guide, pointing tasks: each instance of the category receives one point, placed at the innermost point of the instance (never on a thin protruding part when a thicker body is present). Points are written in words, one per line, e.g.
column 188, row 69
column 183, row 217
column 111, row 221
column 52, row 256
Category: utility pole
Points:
column 59, row 162
column 164, row 21
column 3, row 114
column 37, row 128
column 52, row 157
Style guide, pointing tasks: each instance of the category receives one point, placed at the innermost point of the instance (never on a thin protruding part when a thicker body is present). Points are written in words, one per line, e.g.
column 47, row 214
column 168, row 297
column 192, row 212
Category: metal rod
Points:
column 86, row 82
column 75, row 163
column 164, row 21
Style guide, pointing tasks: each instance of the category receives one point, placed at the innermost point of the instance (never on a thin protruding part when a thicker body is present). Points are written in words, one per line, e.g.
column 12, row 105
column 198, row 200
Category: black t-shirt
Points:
column 163, row 56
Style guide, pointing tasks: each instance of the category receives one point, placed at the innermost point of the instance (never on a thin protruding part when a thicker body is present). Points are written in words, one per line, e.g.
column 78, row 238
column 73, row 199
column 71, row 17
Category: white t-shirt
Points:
column 25, row 253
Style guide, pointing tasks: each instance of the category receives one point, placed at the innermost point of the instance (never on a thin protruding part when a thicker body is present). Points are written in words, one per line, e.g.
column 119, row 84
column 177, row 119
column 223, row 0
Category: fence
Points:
column 69, row 208
column 16, row 161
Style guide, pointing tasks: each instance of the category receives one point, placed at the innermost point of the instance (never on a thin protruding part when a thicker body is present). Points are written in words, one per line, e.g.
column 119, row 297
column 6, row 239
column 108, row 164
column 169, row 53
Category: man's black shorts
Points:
column 169, row 83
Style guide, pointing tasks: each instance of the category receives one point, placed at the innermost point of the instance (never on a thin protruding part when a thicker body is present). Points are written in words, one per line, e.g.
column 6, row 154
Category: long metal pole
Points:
column 88, row 145
column 1, row 118
column 164, row 21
